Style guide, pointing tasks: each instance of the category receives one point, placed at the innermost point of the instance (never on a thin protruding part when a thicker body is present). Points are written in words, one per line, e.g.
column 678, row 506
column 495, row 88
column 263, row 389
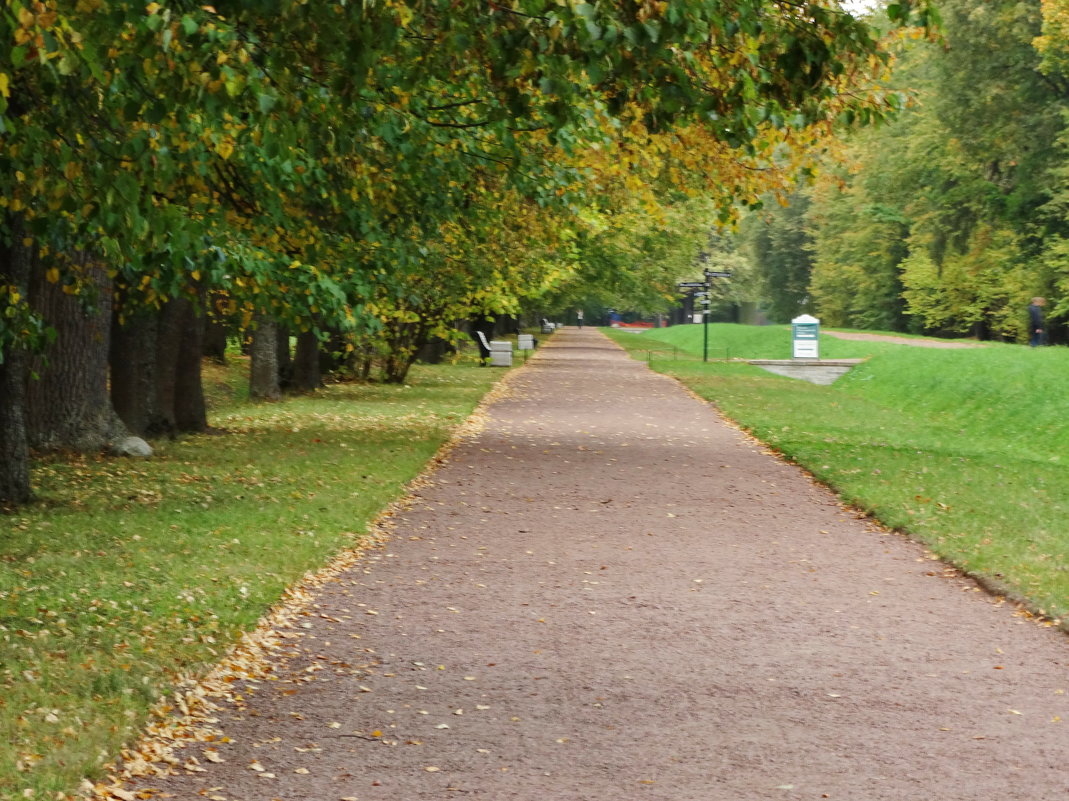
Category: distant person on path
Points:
column 1037, row 327
column 579, row 317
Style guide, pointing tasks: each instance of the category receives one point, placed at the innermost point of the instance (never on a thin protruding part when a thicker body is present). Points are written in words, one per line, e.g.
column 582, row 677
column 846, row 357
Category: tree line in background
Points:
column 360, row 175
column 948, row 219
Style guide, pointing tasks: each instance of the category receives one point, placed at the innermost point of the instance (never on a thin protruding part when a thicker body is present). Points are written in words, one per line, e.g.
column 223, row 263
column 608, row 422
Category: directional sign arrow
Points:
column 716, row 274
column 691, row 285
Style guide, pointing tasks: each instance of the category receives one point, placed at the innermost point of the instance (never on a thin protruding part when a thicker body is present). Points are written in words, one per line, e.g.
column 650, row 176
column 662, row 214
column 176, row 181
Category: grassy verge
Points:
column 129, row 575
column 963, row 449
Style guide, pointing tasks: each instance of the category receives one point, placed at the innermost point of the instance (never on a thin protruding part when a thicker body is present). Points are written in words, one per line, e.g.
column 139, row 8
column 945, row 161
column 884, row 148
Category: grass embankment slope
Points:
column 130, row 575
column 966, row 450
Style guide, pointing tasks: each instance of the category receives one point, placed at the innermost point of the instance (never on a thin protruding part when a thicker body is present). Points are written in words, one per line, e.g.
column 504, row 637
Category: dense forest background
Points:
column 949, row 218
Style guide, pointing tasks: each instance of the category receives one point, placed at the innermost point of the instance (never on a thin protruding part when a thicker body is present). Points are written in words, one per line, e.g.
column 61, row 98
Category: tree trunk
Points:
column 215, row 338
column 134, row 377
column 15, row 265
column 190, row 411
column 155, row 370
column 263, row 373
column 69, row 408
column 306, row 375
column 285, row 358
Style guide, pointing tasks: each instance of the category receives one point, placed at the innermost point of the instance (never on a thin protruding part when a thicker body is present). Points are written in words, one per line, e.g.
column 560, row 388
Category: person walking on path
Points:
column 609, row 593
column 579, row 317
column 1037, row 327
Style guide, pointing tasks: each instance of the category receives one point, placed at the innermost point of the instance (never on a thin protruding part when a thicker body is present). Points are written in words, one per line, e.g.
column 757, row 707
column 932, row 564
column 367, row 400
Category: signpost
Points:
column 805, row 337
column 705, row 287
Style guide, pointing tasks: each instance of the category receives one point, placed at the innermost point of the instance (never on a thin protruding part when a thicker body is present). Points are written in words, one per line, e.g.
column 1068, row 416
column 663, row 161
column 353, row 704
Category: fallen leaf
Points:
column 213, row 756
column 431, row 769
column 256, row 766
column 302, row 771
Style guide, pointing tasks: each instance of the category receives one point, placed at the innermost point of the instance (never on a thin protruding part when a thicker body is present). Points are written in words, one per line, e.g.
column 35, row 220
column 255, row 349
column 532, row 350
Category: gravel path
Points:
column 916, row 342
column 609, row 594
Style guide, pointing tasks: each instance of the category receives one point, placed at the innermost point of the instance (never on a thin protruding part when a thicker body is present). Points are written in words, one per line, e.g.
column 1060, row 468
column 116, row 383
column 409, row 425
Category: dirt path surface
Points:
column 609, row 595
column 920, row 343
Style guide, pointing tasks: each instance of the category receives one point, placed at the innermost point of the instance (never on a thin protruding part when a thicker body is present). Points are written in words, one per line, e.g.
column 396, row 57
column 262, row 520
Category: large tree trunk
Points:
column 155, row 362
column 134, row 379
column 69, row 408
column 306, row 374
column 15, row 265
column 190, row 410
column 263, row 373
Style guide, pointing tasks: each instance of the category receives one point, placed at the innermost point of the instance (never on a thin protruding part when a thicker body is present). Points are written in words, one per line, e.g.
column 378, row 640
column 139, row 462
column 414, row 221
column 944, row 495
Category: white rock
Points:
column 132, row 446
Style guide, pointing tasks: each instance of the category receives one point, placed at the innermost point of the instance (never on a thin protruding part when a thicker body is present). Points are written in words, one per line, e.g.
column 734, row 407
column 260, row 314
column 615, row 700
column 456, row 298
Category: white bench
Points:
column 500, row 350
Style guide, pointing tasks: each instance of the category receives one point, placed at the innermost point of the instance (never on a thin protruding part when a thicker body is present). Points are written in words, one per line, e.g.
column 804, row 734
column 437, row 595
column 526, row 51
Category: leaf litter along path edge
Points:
column 610, row 593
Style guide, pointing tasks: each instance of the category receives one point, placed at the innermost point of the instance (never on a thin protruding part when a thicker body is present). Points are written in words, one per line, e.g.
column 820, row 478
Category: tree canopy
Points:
column 951, row 217
column 380, row 169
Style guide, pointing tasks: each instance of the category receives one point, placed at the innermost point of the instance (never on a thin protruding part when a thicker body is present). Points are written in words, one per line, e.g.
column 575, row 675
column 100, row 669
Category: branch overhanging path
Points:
column 609, row 593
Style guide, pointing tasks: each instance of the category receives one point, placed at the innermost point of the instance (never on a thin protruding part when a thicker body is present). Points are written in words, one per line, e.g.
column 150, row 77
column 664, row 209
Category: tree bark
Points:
column 68, row 407
column 215, row 331
column 15, row 266
column 263, row 373
column 306, row 374
column 134, row 379
column 190, row 411
column 155, row 370
column 285, row 357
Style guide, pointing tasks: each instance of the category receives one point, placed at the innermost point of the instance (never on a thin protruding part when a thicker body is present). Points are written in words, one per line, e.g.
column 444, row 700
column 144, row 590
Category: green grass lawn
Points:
column 129, row 575
column 965, row 449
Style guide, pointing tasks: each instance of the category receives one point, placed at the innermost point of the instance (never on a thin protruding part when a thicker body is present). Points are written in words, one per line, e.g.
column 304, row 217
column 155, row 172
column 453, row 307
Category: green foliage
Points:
column 300, row 156
column 948, row 218
column 777, row 242
column 981, row 290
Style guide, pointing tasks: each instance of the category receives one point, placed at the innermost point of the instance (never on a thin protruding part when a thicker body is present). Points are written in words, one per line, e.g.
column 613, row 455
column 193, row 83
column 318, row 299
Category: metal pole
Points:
column 705, row 315
column 705, row 334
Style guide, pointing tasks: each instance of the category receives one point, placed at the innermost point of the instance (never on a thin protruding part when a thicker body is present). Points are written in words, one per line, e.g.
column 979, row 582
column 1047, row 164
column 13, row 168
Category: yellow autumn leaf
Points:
column 5, row 85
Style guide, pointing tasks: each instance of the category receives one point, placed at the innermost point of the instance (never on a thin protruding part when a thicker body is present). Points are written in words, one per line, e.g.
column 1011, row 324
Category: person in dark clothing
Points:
column 1037, row 327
